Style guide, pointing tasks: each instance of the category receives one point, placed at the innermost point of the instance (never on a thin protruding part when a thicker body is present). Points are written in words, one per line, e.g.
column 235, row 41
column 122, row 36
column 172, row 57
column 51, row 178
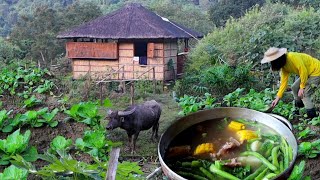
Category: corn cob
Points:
column 246, row 135
column 236, row 126
column 204, row 148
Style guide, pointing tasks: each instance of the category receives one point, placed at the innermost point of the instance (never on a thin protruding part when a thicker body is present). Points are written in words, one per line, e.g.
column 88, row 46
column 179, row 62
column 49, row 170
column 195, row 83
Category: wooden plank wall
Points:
column 91, row 50
column 162, row 53
column 132, row 68
column 170, row 52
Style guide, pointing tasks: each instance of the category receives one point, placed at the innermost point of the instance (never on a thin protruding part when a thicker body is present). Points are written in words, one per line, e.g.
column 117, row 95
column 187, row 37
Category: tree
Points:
column 221, row 11
column 36, row 34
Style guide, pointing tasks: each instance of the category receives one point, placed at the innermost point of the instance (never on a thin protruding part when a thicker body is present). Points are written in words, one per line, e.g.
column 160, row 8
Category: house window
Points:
column 140, row 50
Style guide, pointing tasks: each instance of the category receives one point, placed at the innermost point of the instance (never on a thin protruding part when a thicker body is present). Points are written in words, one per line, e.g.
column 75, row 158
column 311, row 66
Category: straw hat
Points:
column 272, row 54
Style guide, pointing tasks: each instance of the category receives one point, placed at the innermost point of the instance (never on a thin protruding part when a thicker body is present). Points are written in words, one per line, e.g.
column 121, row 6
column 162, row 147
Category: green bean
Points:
column 256, row 173
column 207, row 173
column 274, row 155
column 221, row 173
column 270, row 176
column 261, row 175
column 261, row 158
column 281, row 166
column 191, row 176
column 196, row 163
column 285, row 152
column 186, row 164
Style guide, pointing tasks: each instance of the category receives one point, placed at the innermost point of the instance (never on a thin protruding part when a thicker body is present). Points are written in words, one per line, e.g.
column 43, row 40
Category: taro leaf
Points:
column 12, row 172
column 31, row 154
column 60, row 143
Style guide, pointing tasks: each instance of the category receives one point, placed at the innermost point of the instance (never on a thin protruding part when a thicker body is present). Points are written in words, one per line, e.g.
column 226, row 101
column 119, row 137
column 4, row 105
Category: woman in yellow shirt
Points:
column 308, row 69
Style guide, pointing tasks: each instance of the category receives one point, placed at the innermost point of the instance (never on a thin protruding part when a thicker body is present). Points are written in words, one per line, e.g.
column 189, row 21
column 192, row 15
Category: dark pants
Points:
column 311, row 85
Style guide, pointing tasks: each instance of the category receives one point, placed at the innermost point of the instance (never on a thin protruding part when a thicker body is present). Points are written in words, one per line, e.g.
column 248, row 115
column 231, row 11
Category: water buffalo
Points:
column 135, row 119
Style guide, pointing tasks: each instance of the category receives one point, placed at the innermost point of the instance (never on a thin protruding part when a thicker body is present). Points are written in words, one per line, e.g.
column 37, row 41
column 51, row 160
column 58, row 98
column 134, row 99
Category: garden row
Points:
column 18, row 157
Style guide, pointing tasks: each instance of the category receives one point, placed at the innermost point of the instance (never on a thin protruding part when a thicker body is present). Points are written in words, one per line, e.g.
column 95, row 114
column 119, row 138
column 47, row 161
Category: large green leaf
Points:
column 60, row 143
column 30, row 154
column 15, row 142
column 14, row 173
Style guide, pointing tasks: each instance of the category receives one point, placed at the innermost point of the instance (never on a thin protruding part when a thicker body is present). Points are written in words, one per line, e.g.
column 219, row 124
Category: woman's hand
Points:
column 275, row 102
column 301, row 93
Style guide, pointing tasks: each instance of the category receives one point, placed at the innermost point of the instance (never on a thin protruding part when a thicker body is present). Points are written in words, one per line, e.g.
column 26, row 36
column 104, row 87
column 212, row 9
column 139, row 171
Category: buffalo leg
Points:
column 135, row 137
column 130, row 142
column 155, row 128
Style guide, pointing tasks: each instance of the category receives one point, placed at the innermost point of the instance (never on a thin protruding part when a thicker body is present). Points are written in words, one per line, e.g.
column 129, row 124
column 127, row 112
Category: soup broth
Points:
column 228, row 142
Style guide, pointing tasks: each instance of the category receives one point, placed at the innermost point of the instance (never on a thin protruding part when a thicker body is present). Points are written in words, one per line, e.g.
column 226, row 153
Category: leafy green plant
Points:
column 309, row 149
column 48, row 118
column 12, row 172
column 44, row 87
column 4, row 117
column 315, row 121
column 192, row 104
column 17, row 143
column 128, row 170
column 259, row 101
column 297, row 172
column 60, row 143
column 306, row 133
column 32, row 101
column 95, row 144
column 85, row 112
column 22, row 81
column 65, row 165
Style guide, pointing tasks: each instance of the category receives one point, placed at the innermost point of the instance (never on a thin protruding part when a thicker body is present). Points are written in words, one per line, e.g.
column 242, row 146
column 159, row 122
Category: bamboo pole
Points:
column 113, row 164
column 132, row 93
column 154, row 80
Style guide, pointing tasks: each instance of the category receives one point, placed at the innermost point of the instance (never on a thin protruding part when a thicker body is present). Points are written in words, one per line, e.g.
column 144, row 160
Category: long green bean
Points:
column 262, row 174
column 207, row 173
column 261, row 158
column 221, row 173
column 256, row 173
column 274, row 155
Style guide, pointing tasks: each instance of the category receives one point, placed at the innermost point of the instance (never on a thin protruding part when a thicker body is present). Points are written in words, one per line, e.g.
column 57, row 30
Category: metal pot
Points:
column 275, row 122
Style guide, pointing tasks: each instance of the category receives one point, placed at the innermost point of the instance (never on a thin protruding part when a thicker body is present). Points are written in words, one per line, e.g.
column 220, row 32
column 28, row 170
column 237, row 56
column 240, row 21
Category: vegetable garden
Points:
column 54, row 128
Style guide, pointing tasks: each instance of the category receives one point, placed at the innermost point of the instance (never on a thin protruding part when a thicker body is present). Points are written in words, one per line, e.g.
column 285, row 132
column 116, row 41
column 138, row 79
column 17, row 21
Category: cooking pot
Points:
column 275, row 122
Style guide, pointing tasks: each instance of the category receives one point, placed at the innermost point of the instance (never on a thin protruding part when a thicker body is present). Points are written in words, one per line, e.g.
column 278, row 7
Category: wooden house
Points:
column 129, row 44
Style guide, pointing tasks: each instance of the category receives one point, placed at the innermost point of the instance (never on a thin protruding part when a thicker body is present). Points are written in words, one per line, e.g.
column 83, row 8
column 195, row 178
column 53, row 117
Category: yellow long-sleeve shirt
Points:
column 301, row 64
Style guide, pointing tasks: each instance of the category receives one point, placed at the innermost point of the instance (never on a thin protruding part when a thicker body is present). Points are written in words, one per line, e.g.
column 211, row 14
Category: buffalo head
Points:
column 117, row 117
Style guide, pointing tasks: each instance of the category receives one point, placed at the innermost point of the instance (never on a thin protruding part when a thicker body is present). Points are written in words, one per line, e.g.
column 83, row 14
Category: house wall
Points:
column 159, row 54
column 170, row 54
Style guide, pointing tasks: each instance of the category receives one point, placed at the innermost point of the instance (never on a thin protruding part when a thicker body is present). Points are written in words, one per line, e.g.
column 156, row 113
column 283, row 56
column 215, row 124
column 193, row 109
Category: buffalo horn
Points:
column 125, row 113
column 109, row 111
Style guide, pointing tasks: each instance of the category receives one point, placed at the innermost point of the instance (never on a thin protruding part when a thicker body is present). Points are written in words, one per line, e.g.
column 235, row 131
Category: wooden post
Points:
column 101, row 96
column 154, row 80
column 113, row 164
column 132, row 92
